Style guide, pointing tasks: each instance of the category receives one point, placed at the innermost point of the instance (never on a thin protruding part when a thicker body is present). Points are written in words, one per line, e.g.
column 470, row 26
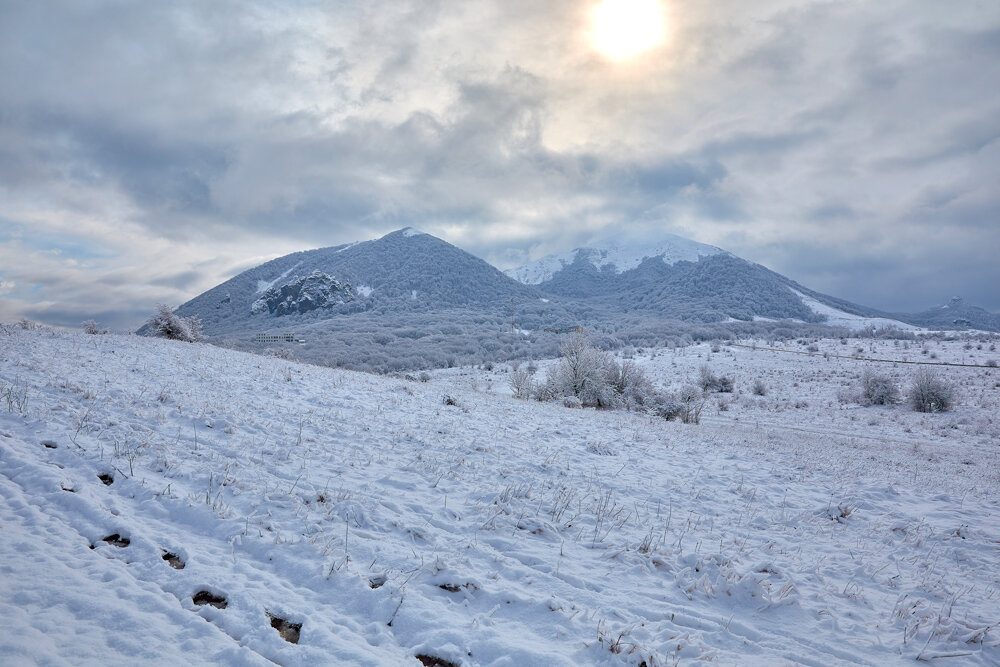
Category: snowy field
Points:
column 173, row 503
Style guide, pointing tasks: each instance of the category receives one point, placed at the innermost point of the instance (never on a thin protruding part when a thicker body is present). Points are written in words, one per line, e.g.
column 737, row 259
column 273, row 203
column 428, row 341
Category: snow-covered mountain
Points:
column 409, row 300
column 677, row 278
column 618, row 255
column 405, row 271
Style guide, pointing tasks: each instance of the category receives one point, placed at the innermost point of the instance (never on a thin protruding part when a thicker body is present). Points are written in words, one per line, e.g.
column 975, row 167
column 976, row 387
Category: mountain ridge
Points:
column 409, row 300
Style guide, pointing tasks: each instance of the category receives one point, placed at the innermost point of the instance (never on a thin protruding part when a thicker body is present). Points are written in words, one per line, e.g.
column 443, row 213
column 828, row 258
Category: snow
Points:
column 491, row 531
column 348, row 246
column 364, row 290
column 840, row 318
column 623, row 254
column 264, row 285
column 412, row 231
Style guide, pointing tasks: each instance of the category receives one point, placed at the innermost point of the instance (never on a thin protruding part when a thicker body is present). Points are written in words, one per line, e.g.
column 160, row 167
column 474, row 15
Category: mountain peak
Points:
column 624, row 254
column 410, row 231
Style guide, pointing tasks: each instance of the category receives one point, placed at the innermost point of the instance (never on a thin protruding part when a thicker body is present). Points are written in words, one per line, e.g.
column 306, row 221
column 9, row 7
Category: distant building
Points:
column 277, row 338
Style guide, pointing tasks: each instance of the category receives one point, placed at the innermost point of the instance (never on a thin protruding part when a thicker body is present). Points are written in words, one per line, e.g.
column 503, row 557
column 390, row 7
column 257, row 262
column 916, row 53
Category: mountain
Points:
column 615, row 255
column 956, row 314
column 405, row 271
column 409, row 300
column 405, row 301
column 673, row 277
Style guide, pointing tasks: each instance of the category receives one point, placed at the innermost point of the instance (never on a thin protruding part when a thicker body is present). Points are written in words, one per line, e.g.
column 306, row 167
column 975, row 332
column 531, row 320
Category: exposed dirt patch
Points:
column 117, row 540
column 49, row 444
column 289, row 631
column 107, row 479
column 202, row 598
column 434, row 661
column 173, row 560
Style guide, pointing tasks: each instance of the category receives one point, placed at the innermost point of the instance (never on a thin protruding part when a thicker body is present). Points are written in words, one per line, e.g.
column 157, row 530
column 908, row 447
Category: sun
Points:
column 626, row 28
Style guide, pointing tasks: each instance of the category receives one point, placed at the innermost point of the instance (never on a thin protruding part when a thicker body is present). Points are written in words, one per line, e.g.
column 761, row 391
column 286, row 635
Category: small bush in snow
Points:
column 759, row 389
column 992, row 363
column 667, row 407
column 583, row 372
column 708, row 381
column 692, row 402
column 92, row 327
column 878, row 389
column 165, row 324
column 631, row 384
column 930, row 393
column 521, row 383
column 424, row 376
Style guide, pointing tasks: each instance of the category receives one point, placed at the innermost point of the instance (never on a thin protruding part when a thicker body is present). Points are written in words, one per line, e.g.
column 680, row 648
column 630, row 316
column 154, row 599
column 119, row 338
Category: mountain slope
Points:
column 676, row 278
column 403, row 272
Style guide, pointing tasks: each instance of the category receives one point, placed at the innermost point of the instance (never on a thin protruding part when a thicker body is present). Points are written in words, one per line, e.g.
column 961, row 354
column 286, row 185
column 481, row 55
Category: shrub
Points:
column 692, row 402
column 631, row 384
column 166, row 324
column 992, row 363
column 666, row 407
column 92, row 327
column 930, row 393
column 521, row 383
column 878, row 389
column 583, row 372
column 759, row 388
column 708, row 381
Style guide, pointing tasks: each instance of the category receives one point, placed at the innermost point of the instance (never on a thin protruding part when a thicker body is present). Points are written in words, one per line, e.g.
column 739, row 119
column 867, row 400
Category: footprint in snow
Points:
column 289, row 631
column 49, row 444
column 117, row 540
column 107, row 479
column 173, row 560
column 434, row 661
column 202, row 598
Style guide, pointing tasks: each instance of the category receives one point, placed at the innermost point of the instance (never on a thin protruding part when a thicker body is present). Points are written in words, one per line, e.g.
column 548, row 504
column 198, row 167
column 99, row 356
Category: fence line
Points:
column 843, row 356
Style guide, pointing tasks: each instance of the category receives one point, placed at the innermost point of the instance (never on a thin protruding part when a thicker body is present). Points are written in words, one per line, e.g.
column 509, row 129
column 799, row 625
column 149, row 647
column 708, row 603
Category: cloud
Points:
column 159, row 146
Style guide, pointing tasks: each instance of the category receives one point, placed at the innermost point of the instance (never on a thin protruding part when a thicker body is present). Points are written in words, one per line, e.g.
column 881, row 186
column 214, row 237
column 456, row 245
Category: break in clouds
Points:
column 149, row 151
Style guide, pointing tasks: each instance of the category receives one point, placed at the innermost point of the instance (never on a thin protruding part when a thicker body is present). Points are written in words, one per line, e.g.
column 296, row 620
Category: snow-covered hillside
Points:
column 839, row 318
column 399, row 522
column 623, row 254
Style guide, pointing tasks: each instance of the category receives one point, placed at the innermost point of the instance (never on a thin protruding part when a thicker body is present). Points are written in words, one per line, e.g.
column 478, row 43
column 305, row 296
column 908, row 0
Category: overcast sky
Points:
column 150, row 150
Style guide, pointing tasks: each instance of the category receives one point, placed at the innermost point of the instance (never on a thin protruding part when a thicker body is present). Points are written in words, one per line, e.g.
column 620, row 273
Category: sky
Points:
column 151, row 150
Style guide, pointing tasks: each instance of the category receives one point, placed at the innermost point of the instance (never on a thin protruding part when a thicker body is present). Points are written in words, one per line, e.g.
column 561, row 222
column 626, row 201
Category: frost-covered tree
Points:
column 166, row 324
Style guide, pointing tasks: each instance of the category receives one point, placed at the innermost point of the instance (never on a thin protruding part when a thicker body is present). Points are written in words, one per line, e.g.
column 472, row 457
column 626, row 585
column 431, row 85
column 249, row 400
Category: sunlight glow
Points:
column 625, row 28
